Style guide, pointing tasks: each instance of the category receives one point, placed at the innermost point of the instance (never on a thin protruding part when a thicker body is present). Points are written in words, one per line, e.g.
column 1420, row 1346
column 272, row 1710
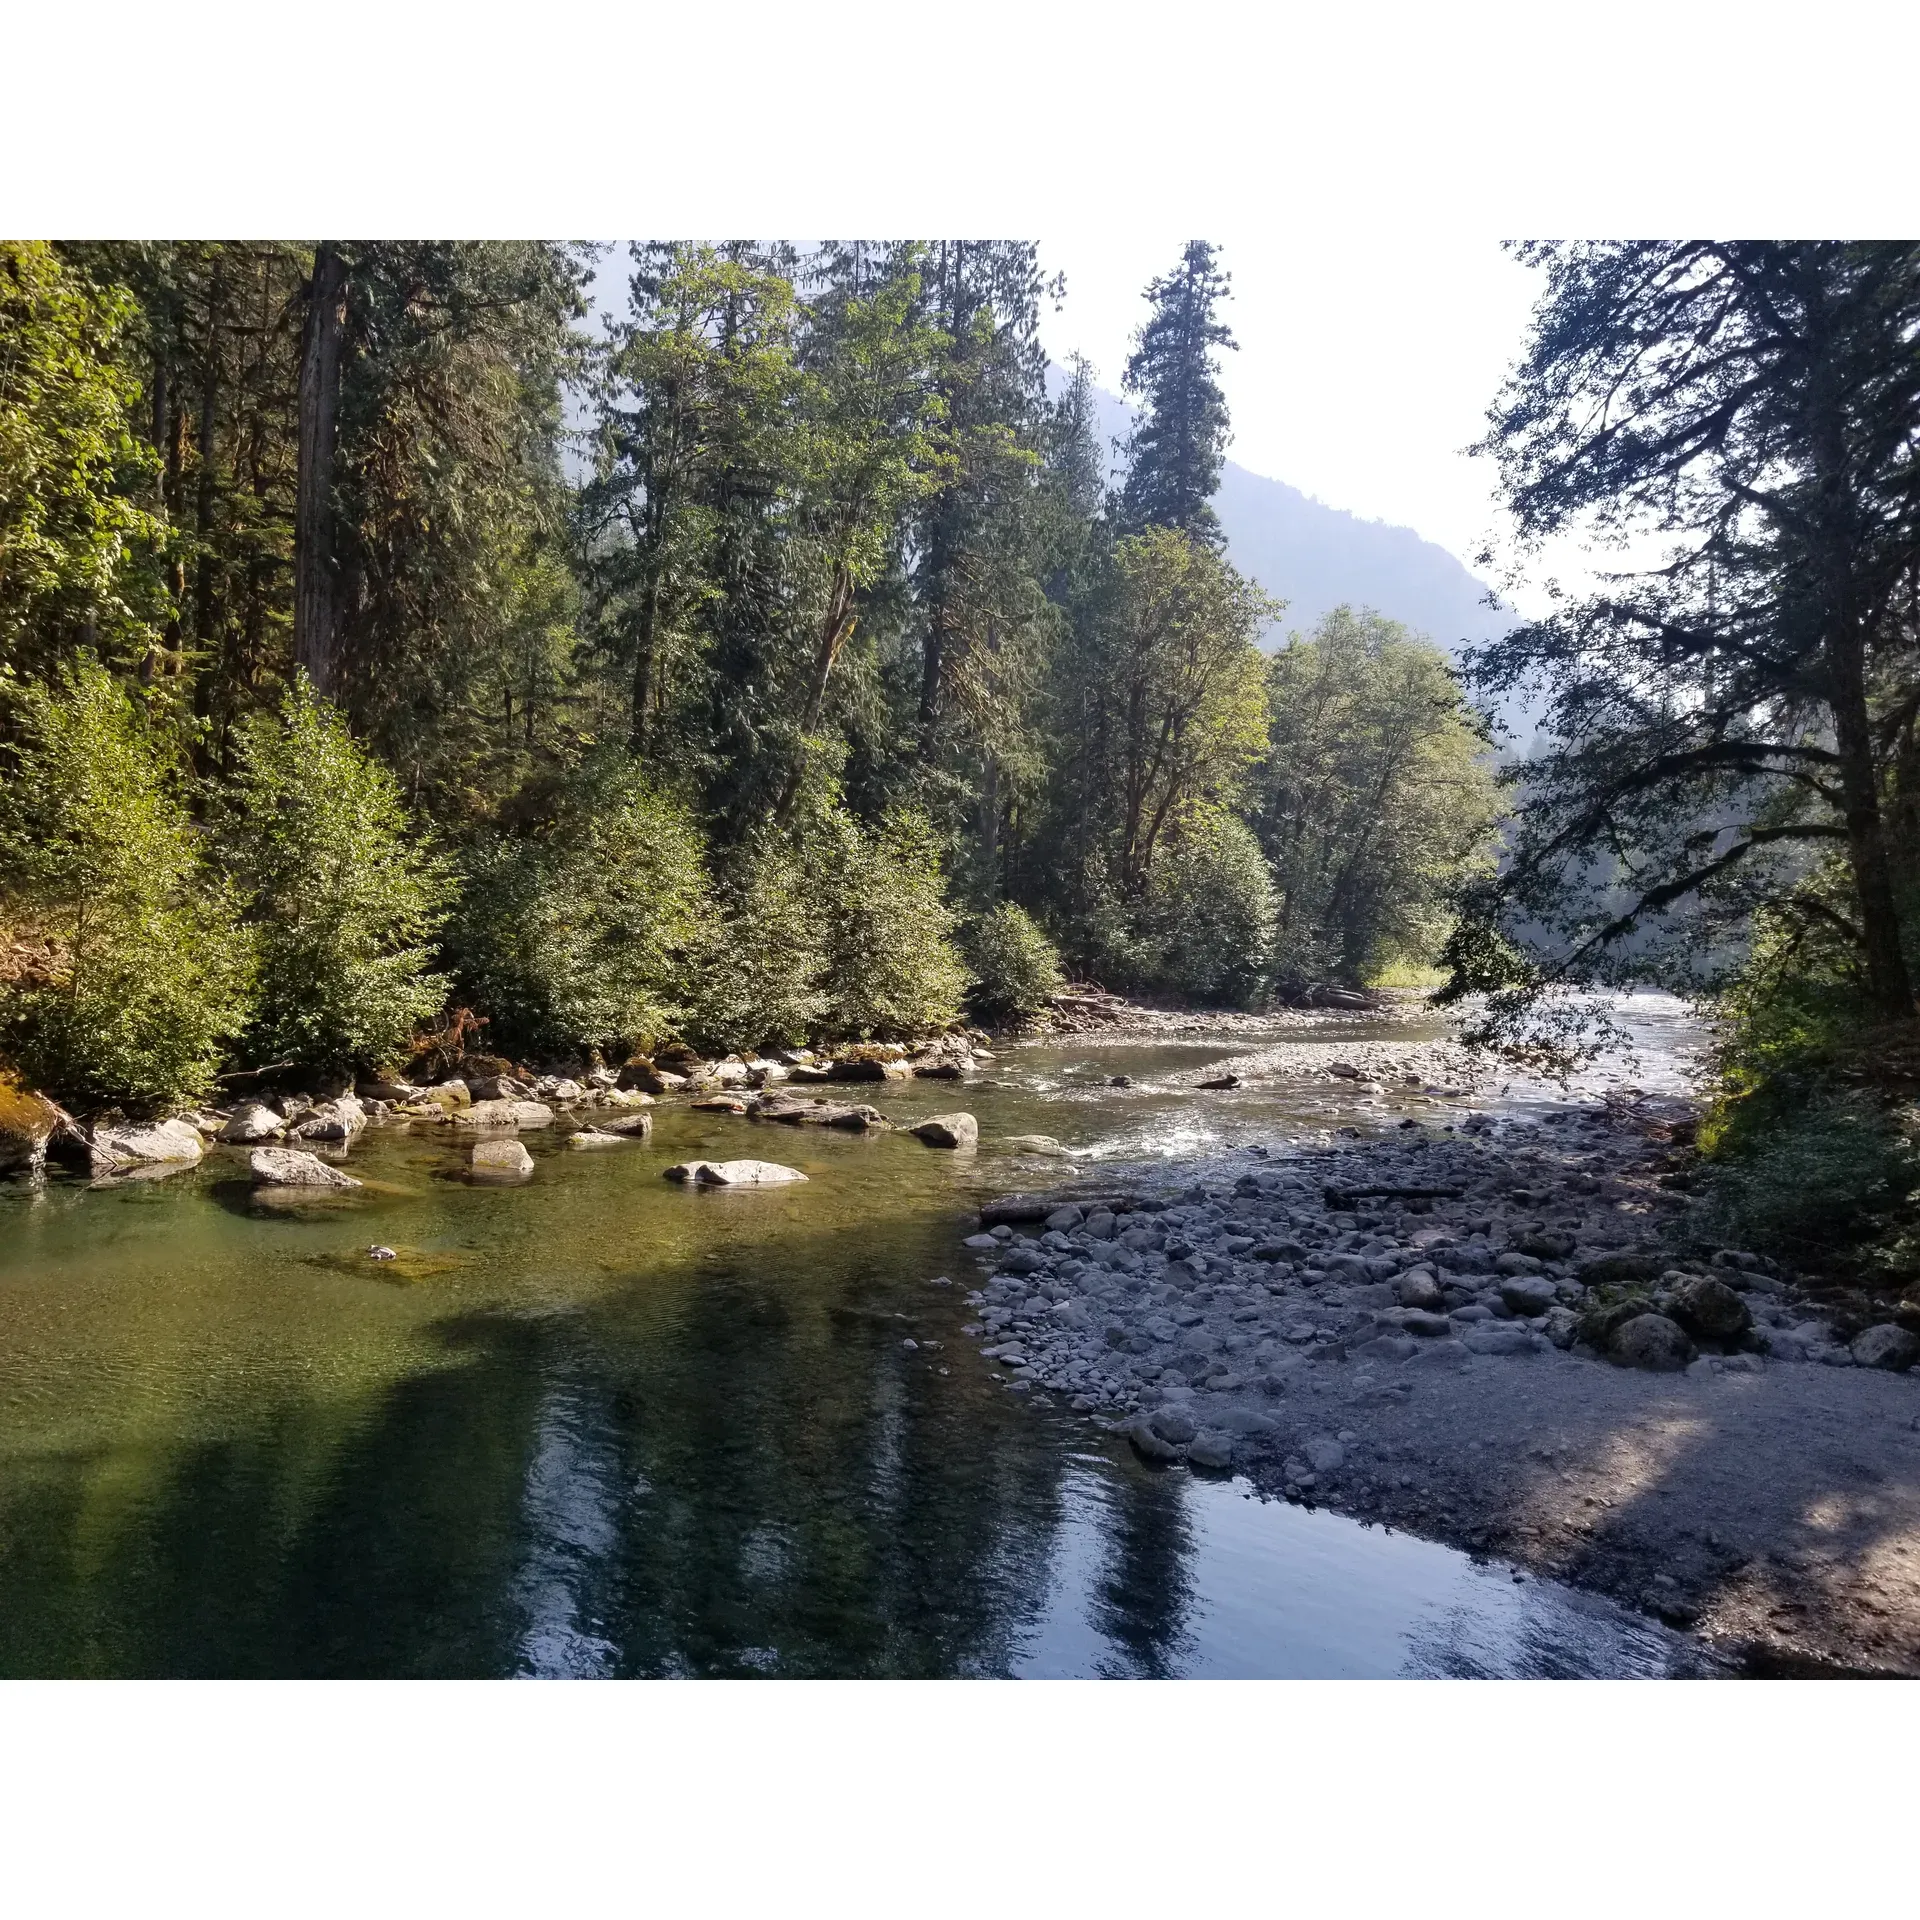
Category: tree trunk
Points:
column 316, row 618
column 203, row 504
column 1888, row 983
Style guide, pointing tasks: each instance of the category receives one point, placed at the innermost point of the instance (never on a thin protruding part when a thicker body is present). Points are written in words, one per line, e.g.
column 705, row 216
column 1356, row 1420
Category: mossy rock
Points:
column 1622, row 1270
column 26, row 1124
column 1610, row 1308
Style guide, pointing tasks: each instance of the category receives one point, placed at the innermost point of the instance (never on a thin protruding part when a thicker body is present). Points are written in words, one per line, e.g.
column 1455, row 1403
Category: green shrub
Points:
column 892, row 967
column 151, row 970
column 1206, row 924
column 1016, row 967
column 585, row 930
column 763, row 958
column 344, row 900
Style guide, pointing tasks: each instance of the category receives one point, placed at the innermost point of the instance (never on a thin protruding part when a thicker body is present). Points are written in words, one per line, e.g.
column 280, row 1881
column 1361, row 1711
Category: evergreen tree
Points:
column 1722, row 722
column 1175, row 454
column 131, row 971
column 344, row 900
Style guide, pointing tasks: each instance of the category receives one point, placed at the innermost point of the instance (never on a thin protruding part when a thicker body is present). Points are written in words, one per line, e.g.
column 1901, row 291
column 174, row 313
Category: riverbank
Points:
column 1410, row 1330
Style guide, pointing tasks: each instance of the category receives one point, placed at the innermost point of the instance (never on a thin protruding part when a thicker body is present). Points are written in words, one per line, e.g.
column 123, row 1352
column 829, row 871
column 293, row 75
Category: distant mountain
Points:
column 1316, row 558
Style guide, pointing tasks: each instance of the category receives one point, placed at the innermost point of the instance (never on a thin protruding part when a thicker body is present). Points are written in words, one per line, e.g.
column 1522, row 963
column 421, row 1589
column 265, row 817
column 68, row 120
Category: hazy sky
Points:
column 1365, row 364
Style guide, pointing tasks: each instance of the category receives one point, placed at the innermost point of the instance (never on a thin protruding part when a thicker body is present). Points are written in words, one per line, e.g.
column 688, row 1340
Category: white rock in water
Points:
column 116, row 1147
column 502, row 1157
column 289, row 1167
column 585, row 1141
column 948, row 1130
column 734, row 1173
column 1035, row 1143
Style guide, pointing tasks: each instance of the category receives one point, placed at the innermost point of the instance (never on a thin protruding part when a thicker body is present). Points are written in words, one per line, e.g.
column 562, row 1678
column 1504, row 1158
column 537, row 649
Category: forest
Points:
column 392, row 656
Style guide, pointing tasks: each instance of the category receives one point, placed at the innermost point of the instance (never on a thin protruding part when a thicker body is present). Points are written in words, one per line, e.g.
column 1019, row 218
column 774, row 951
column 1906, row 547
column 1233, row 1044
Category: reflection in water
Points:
column 599, row 1425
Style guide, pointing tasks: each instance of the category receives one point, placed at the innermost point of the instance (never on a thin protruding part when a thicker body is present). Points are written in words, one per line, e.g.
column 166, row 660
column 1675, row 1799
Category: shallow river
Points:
column 600, row 1424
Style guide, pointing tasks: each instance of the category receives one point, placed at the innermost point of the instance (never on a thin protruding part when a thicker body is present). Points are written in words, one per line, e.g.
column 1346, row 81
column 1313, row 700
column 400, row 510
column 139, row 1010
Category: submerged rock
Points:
column 290, row 1167
column 588, row 1138
column 1043, row 1143
column 628, row 1126
column 734, row 1173
column 948, row 1130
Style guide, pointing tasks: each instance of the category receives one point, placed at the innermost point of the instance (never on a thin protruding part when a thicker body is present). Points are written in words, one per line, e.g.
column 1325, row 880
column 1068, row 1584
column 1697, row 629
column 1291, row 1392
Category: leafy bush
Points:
column 585, row 929
column 892, row 968
column 1812, row 1180
column 150, row 970
column 763, row 958
column 344, row 901
column 1207, row 921
column 1016, row 967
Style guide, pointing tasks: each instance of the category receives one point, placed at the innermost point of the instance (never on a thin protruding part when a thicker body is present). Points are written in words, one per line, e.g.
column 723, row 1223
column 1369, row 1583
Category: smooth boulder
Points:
column 948, row 1130
column 628, row 1126
column 337, row 1119
column 734, row 1173
column 1650, row 1341
column 251, row 1122
column 589, row 1138
column 290, row 1167
column 502, row 1159
column 1889, row 1347
column 169, row 1142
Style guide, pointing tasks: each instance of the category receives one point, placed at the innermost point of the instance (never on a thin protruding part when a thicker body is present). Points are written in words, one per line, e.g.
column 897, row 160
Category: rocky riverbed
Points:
column 1485, row 1335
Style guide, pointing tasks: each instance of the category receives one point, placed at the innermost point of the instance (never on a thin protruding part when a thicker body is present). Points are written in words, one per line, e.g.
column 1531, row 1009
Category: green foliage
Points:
column 1016, row 968
column 581, row 930
column 1205, row 927
column 344, row 900
column 1376, row 799
column 762, row 955
column 1813, row 1178
column 148, row 970
column 892, row 967
column 79, row 553
column 1159, row 711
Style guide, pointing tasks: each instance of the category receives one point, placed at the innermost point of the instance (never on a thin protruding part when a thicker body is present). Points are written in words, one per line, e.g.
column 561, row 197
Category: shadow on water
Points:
column 598, row 1425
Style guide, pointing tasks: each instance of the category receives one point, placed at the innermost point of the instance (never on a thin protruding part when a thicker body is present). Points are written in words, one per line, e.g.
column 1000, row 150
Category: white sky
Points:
column 1365, row 368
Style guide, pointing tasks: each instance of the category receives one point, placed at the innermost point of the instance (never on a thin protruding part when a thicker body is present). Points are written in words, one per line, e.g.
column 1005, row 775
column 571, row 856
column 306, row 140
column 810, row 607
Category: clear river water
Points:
column 599, row 1424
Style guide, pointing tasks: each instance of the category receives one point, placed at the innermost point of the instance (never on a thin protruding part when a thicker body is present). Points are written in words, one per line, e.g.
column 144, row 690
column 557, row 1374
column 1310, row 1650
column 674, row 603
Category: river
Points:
column 599, row 1424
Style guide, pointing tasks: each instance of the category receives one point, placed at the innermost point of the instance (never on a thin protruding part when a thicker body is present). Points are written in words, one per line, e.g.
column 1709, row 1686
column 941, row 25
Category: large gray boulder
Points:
column 290, row 1167
column 337, row 1119
column 1887, row 1346
column 502, row 1160
column 734, row 1173
column 251, row 1122
column 1710, row 1309
column 1650, row 1341
column 629, row 1126
column 168, row 1141
column 1528, row 1295
column 948, row 1130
